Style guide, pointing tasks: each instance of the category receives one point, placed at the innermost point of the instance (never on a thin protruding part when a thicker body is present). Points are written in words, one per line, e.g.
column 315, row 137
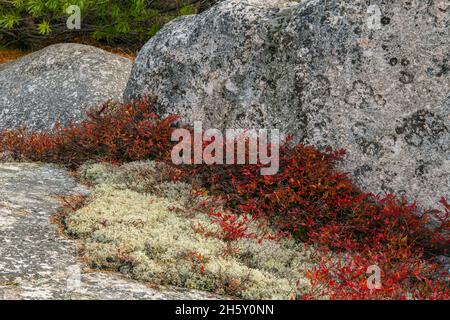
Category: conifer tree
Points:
column 33, row 23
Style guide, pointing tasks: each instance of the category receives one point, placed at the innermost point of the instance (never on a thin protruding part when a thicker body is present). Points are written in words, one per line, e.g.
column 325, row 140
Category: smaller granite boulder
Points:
column 58, row 83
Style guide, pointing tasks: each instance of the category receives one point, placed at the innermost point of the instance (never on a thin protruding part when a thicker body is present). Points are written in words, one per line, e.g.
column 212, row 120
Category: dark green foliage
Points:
column 36, row 23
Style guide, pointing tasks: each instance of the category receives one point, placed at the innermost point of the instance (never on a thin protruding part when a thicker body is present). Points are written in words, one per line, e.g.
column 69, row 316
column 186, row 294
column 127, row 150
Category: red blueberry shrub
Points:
column 113, row 132
column 308, row 199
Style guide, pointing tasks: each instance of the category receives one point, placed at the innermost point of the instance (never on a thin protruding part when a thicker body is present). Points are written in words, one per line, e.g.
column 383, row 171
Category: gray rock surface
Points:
column 57, row 84
column 36, row 261
column 372, row 80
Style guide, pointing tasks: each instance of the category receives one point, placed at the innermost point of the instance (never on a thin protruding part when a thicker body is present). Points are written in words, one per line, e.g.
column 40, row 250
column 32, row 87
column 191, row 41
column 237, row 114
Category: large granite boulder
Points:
column 371, row 79
column 57, row 84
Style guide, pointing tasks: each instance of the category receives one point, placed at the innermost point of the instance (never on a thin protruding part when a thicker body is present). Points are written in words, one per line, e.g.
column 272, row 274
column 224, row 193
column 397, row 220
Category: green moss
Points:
column 9, row 284
column 187, row 10
column 34, row 23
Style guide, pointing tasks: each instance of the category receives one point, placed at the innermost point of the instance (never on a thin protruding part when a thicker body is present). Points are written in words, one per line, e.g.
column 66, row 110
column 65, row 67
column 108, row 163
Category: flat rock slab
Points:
column 36, row 261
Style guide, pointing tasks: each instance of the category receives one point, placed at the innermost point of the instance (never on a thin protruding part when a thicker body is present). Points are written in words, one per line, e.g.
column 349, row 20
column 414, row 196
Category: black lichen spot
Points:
column 385, row 21
column 359, row 130
column 413, row 139
column 422, row 126
column 400, row 130
column 362, row 170
column 302, row 120
column 393, row 61
column 421, row 170
column 361, row 95
column 430, row 72
column 445, row 68
column 386, row 188
column 370, row 148
column 321, row 125
column 380, row 100
column 406, row 77
column 324, row 19
column 405, row 62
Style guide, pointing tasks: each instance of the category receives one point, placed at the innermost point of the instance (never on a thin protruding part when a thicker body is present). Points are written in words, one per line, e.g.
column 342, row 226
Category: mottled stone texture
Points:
column 36, row 261
column 57, row 84
column 323, row 71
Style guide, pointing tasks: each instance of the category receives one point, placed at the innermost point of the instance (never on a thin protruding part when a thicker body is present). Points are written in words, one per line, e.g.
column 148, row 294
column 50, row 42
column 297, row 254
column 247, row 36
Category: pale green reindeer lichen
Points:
column 152, row 236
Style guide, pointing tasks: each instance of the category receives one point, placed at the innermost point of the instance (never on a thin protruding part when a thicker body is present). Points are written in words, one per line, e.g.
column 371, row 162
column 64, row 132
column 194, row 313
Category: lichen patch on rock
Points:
column 155, row 237
column 36, row 261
